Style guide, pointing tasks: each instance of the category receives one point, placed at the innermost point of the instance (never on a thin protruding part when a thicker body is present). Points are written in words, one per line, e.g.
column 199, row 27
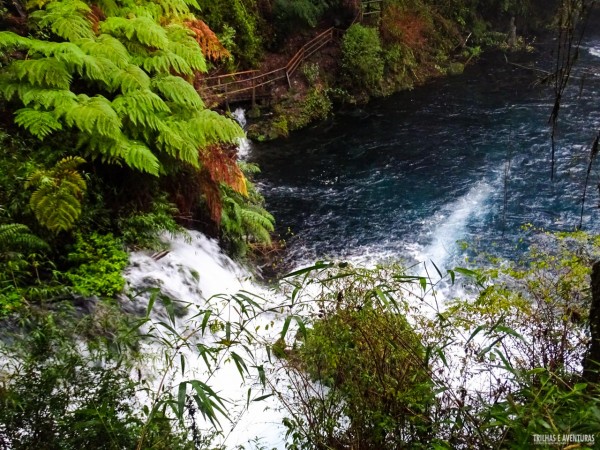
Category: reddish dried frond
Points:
column 208, row 40
column 96, row 16
column 219, row 165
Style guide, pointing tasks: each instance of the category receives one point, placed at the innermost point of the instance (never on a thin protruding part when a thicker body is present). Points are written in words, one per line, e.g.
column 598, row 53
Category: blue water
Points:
column 462, row 158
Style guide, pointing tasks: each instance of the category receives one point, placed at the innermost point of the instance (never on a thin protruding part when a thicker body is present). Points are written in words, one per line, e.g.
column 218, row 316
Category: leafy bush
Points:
column 99, row 261
column 237, row 21
column 377, row 388
column 143, row 229
column 245, row 221
column 374, row 363
column 362, row 60
column 57, row 397
column 295, row 14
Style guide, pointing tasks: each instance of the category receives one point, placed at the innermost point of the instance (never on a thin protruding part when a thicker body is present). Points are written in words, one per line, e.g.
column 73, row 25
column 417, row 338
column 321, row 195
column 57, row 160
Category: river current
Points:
column 464, row 158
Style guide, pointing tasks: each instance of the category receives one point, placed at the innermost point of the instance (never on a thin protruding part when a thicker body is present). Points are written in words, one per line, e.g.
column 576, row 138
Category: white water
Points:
column 244, row 144
column 194, row 272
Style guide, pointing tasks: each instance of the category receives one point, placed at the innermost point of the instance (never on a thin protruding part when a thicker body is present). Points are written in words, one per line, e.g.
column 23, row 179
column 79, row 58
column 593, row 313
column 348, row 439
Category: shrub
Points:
column 362, row 60
column 358, row 375
column 99, row 262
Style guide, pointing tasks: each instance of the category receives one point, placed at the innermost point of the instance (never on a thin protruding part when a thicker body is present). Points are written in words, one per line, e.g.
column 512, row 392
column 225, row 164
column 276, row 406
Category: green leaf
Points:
column 38, row 123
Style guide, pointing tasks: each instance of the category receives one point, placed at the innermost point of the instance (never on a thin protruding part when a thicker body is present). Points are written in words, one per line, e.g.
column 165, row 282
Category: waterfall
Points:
column 244, row 144
column 196, row 273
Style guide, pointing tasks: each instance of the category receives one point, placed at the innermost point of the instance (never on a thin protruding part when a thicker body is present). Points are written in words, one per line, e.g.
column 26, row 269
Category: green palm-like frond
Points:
column 38, row 123
column 243, row 217
column 141, row 29
column 47, row 98
column 10, row 41
column 56, row 201
column 174, row 139
column 92, row 115
column 165, row 62
column 44, row 72
column 178, row 91
column 139, row 157
column 17, row 238
column 182, row 44
column 209, row 127
column 67, row 19
column 119, row 149
column 258, row 222
column 106, row 46
column 132, row 78
column 140, row 106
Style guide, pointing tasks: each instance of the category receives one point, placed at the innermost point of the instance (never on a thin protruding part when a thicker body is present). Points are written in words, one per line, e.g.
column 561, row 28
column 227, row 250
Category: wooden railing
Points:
column 243, row 86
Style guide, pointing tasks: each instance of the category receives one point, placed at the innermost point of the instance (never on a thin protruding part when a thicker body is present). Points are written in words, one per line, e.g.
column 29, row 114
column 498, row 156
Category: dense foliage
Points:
column 107, row 115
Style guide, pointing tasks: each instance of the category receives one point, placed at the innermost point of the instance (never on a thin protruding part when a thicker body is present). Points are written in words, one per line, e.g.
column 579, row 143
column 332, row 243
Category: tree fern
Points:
column 108, row 47
column 132, row 78
column 93, row 115
column 66, row 18
column 120, row 84
column 183, row 44
column 142, row 29
column 258, row 222
column 138, row 156
column 17, row 238
column 244, row 218
column 56, row 201
column 139, row 105
column 174, row 139
column 12, row 41
column 208, row 127
column 38, row 123
column 178, row 91
column 164, row 62
column 44, row 72
column 46, row 98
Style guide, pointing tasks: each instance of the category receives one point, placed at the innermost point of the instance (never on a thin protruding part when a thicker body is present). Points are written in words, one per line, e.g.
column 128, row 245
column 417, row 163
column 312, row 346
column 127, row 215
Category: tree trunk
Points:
column 591, row 363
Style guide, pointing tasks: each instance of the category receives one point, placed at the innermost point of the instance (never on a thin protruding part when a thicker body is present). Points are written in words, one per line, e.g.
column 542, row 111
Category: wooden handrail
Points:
column 251, row 83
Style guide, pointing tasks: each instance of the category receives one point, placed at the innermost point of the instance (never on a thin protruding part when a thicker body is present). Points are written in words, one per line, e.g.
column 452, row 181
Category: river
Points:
column 464, row 158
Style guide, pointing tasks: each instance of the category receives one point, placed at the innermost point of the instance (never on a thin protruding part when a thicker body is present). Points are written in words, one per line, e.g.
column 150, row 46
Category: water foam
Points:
column 196, row 272
column 244, row 144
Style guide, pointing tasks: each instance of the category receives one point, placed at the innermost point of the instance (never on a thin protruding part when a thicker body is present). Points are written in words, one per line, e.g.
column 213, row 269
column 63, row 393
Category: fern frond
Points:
column 18, row 237
column 209, row 128
column 56, row 200
column 178, row 91
column 38, row 123
column 47, row 98
column 39, row 48
column 67, row 19
column 108, row 47
column 11, row 41
column 139, row 107
column 136, row 155
column 132, row 78
column 165, row 62
column 120, row 149
column 92, row 115
column 183, row 44
column 45, row 72
column 143, row 29
column 174, row 139
column 109, row 7
column 258, row 223
column 9, row 86
column 248, row 168
column 211, row 46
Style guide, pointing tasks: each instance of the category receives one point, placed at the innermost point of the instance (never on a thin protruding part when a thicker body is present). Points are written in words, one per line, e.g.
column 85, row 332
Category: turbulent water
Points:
column 463, row 158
